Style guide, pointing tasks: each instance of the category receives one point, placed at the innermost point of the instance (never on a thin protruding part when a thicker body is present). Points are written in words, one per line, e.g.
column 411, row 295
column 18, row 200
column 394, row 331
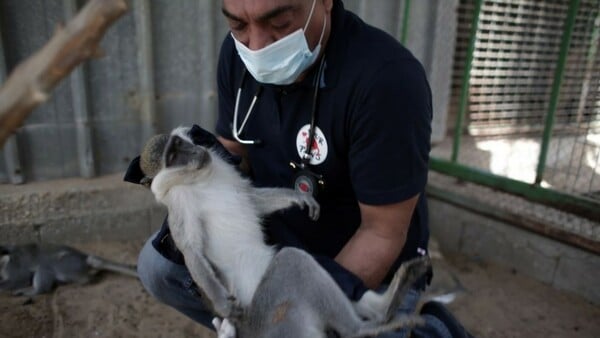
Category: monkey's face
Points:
column 181, row 151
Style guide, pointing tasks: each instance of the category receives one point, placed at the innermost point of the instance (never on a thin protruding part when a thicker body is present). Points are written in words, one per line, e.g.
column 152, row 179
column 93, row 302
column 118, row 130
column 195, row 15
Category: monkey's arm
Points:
column 268, row 200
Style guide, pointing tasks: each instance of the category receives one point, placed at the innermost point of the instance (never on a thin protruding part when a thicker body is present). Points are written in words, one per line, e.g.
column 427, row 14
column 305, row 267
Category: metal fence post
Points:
column 464, row 94
column 83, row 115
column 145, row 62
column 555, row 95
column 11, row 148
column 405, row 21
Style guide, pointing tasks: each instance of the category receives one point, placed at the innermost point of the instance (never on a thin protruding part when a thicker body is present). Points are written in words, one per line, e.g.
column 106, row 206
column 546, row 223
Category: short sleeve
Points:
column 390, row 134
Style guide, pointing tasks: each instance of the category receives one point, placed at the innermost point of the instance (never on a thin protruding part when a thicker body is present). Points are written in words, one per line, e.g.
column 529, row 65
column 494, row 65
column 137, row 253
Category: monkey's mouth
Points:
column 180, row 153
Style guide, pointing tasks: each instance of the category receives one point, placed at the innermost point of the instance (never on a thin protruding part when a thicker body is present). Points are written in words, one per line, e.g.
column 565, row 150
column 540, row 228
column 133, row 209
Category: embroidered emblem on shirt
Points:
column 318, row 149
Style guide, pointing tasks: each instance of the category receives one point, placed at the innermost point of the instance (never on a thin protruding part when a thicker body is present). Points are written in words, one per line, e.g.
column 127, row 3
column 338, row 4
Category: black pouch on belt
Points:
column 163, row 243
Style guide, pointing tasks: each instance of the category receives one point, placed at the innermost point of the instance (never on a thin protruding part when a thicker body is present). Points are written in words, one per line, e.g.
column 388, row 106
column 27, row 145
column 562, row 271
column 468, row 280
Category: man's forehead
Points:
column 260, row 9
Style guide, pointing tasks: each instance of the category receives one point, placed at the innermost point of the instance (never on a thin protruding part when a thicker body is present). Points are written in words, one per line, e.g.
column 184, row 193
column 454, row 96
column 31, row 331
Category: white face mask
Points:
column 282, row 61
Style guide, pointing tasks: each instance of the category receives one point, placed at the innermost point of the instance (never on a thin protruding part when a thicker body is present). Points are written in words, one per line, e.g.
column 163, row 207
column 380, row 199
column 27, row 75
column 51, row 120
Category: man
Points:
column 311, row 97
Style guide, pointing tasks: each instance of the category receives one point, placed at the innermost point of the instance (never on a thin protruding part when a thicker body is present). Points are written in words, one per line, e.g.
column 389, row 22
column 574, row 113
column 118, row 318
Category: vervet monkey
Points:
column 215, row 221
column 31, row 269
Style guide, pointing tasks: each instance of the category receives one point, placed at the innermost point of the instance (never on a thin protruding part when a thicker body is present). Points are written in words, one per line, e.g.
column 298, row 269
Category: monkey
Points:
column 225, row 215
column 297, row 298
column 215, row 221
column 32, row 269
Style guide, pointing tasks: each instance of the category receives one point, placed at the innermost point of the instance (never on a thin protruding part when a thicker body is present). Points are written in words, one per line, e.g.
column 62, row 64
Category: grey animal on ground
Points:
column 215, row 217
column 31, row 269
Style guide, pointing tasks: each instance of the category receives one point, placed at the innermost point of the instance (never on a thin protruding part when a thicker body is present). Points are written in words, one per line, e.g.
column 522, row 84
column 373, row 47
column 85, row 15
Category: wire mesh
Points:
column 516, row 54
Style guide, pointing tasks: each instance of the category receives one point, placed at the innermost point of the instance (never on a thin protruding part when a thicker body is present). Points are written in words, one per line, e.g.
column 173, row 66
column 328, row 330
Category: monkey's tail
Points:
column 401, row 322
column 104, row 264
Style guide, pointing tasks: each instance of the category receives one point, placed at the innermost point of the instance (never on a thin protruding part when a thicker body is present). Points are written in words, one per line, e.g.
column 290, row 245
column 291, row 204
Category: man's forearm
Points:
column 378, row 242
column 370, row 256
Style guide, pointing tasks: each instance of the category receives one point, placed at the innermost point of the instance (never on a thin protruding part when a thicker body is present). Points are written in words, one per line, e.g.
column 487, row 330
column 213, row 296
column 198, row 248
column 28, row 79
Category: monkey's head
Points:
column 183, row 163
column 181, row 153
column 191, row 155
column 4, row 260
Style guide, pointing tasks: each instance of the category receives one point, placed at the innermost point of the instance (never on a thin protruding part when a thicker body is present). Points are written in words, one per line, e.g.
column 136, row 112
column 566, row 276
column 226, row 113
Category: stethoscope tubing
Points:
column 236, row 132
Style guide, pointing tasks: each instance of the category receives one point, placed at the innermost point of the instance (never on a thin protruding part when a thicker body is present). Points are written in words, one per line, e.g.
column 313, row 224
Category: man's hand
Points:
column 224, row 328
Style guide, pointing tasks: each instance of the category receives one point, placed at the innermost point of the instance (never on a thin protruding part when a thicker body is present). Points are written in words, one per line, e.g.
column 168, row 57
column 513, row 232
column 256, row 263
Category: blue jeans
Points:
column 172, row 284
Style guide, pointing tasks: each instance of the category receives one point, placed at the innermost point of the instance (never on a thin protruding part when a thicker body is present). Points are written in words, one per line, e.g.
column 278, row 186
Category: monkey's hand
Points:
column 224, row 328
column 235, row 308
column 306, row 200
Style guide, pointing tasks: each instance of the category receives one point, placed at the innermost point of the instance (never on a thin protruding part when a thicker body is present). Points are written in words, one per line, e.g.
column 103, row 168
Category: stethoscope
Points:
column 237, row 131
column 303, row 172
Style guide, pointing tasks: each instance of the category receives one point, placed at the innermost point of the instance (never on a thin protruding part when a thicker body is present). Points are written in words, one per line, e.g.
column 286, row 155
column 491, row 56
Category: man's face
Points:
column 258, row 23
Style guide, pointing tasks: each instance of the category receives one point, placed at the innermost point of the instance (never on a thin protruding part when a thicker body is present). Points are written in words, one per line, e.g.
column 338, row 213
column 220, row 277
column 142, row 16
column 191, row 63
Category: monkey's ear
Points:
column 134, row 173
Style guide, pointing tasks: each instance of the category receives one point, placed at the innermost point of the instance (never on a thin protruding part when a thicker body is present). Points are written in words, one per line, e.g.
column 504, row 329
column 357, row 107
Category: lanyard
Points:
column 313, row 115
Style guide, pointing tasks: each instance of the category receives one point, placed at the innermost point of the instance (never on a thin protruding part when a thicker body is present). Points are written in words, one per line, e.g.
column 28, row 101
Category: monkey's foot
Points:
column 408, row 273
column 224, row 328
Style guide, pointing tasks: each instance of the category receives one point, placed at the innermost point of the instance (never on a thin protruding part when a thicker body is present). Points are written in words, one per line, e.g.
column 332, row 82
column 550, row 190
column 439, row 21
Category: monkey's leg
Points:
column 43, row 281
column 382, row 307
column 269, row 200
column 224, row 304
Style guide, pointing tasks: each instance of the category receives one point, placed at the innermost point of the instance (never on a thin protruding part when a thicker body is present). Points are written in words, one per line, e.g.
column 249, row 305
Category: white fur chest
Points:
column 221, row 223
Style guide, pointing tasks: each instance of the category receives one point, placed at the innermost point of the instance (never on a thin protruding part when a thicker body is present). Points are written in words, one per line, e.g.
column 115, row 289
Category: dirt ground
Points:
column 496, row 303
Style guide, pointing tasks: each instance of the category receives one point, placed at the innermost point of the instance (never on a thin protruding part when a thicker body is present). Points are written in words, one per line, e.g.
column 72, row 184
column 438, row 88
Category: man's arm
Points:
column 377, row 243
column 238, row 149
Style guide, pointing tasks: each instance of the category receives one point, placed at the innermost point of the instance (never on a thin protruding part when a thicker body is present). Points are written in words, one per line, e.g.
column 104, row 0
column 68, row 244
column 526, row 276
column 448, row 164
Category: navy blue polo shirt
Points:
column 372, row 143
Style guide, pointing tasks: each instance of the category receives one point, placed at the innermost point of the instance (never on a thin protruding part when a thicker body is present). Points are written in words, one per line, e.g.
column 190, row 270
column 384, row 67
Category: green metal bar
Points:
column 582, row 206
column 464, row 93
column 405, row 20
column 555, row 96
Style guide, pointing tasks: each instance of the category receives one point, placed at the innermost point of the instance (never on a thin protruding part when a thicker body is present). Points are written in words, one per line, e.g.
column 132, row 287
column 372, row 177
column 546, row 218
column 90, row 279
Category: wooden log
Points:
column 31, row 81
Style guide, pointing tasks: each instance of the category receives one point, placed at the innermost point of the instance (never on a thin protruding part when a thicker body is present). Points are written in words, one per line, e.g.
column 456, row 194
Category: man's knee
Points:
column 153, row 270
column 171, row 284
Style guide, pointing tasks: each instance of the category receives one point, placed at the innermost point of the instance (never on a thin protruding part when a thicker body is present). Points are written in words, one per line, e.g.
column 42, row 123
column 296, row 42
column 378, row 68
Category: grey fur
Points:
column 32, row 269
column 295, row 297
column 150, row 158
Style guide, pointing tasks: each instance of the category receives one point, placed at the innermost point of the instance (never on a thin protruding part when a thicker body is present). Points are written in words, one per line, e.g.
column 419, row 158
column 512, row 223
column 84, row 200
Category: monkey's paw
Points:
column 235, row 308
column 306, row 200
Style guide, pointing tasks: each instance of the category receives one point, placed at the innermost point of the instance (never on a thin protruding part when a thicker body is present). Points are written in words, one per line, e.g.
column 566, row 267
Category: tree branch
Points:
column 31, row 81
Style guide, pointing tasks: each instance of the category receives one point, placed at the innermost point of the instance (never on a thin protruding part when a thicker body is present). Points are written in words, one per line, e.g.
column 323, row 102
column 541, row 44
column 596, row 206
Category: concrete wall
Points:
column 158, row 72
column 560, row 265
column 77, row 210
